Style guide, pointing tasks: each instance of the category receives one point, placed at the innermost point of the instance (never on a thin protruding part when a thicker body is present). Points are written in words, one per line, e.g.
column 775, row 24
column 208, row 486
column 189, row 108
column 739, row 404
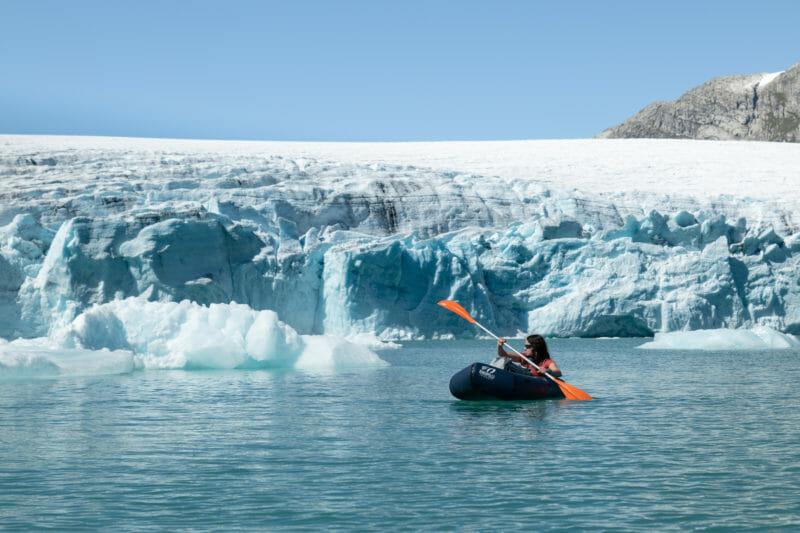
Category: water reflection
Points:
column 535, row 409
column 531, row 417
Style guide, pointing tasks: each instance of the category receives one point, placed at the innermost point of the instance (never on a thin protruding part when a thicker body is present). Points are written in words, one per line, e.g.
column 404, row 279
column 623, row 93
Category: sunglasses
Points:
column 529, row 346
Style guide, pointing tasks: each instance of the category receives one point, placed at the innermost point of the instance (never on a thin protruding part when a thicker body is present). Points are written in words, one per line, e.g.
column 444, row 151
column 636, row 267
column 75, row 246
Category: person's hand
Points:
column 501, row 341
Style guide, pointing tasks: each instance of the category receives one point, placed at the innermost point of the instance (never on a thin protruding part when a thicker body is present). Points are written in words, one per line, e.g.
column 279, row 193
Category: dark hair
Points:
column 540, row 352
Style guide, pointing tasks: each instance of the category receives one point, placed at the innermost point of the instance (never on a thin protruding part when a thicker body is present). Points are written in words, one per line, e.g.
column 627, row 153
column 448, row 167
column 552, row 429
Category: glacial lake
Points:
column 674, row 441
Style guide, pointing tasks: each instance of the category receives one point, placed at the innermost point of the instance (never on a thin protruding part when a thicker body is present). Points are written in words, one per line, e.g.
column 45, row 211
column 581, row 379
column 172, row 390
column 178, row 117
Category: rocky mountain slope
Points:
column 756, row 107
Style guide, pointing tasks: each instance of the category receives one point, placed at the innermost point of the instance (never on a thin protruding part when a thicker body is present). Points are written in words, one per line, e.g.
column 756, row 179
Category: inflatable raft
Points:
column 479, row 381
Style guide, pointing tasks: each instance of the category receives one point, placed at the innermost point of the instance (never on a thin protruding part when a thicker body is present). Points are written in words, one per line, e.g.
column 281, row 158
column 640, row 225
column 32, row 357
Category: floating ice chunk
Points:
column 165, row 335
column 37, row 358
column 326, row 352
column 758, row 338
column 372, row 342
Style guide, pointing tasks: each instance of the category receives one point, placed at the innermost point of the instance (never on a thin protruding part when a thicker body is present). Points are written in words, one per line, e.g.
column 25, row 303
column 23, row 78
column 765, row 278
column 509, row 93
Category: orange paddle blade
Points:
column 457, row 309
column 571, row 392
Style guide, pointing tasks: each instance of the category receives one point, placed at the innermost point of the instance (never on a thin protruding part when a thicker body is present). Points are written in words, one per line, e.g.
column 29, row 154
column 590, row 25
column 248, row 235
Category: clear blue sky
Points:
column 369, row 70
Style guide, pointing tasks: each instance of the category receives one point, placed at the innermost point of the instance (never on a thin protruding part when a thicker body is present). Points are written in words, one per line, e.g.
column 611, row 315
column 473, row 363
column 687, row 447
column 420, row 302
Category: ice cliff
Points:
column 586, row 238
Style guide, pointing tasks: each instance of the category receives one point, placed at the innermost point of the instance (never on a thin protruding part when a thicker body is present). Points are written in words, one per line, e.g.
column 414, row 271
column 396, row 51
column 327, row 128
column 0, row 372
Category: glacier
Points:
column 591, row 238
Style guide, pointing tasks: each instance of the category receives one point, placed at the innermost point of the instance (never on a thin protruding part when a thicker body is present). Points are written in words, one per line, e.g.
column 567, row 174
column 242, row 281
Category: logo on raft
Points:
column 487, row 372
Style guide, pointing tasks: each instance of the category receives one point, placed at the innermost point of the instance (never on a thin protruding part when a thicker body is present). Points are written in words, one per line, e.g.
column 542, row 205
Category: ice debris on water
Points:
column 758, row 338
column 123, row 335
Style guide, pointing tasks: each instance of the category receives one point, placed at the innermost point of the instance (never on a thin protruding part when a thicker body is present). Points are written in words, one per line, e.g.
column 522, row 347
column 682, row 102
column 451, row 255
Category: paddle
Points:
column 570, row 392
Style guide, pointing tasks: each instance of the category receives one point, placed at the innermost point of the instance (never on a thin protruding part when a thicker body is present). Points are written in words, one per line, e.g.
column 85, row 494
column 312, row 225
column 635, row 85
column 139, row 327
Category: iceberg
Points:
column 592, row 238
column 133, row 333
column 220, row 336
column 759, row 338
column 40, row 360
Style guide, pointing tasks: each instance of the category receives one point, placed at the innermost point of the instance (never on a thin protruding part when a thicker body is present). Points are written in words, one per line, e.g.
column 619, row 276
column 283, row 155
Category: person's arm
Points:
column 553, row 370
column 500, row 351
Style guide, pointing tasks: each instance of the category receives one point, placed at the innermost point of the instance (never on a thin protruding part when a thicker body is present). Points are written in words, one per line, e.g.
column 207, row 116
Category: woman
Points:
column 536, row 351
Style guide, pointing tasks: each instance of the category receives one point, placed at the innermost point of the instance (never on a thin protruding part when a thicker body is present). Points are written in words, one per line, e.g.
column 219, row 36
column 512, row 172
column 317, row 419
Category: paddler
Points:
column 536, row 351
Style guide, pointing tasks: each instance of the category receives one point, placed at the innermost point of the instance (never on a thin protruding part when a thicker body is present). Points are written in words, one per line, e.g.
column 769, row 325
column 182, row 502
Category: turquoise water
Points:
column 674, row 441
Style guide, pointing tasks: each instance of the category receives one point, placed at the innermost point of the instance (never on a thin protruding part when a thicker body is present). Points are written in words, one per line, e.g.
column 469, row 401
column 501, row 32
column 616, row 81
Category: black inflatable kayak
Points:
column 479, row 381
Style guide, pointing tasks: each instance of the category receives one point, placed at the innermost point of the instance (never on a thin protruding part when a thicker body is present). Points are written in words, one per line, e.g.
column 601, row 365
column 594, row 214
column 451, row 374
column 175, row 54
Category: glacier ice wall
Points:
column 347, row 248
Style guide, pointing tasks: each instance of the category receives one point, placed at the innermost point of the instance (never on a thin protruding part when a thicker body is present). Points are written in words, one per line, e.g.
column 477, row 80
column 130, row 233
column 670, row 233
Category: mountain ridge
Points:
column 756, row 107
